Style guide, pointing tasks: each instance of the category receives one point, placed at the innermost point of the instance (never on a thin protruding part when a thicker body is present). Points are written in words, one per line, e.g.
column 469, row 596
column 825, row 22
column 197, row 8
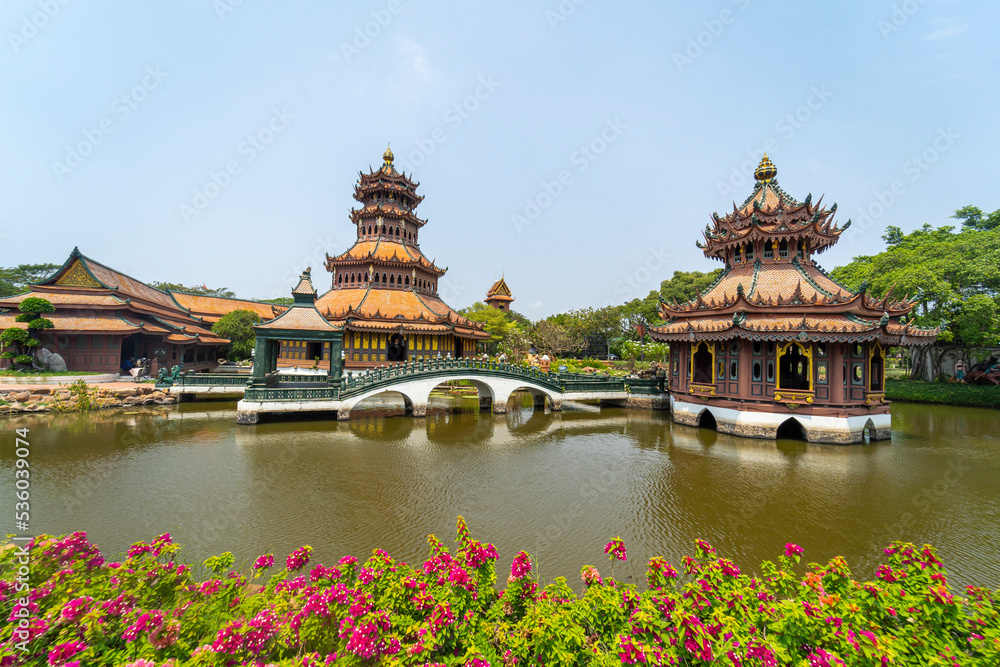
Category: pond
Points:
column 558, row 485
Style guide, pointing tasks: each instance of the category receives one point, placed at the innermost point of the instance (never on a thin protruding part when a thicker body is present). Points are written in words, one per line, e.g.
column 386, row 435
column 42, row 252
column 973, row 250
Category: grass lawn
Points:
column 946, row 393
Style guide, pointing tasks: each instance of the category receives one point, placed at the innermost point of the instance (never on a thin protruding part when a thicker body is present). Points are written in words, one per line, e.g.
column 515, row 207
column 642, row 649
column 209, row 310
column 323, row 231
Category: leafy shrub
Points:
column 150, row 611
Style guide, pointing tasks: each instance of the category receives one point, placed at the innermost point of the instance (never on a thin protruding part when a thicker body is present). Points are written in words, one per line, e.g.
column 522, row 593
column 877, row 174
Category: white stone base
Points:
column 837, row 430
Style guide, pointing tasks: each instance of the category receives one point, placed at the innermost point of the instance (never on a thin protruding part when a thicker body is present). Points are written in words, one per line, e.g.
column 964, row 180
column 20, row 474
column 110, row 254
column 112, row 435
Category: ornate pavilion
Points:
column 499, row 295
column 776, row 347
column 383, row 289
column 103, row 317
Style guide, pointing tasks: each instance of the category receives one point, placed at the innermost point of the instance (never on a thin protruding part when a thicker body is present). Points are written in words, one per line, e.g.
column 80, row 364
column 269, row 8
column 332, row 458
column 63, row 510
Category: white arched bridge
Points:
column 414, row 381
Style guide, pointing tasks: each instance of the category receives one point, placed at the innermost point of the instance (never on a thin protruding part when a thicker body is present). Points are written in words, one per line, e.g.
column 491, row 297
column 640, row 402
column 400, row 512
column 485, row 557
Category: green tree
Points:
column 237, row 326
column 946, row 270
column 20, row 345
column 17, row 279
column 972, row 217
column 554, row 339
column 196, row 289
column 495, row 322
column 680, row 287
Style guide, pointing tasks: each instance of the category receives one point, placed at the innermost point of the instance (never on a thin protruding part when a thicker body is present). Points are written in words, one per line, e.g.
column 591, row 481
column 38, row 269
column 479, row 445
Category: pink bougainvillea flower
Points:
column 521, row 566
column 61, row 653
column 793, row 550
column 298, row 559
column 616, row 549
column 264, row 562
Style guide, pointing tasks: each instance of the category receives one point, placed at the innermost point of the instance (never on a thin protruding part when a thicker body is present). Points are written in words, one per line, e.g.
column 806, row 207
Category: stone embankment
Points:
column 61, row 399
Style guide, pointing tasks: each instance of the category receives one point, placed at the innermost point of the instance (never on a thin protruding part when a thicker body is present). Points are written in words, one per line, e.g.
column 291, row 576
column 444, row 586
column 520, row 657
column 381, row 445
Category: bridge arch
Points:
column 416, row 392
column 791, row 429
column 707, row 420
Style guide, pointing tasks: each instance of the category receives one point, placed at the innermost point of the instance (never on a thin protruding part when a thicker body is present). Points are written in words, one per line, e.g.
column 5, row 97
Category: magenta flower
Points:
column 793, row 550
column 264, row 562
column 298, row 559
column 63, row 652
column 616, row 548
column 521, row 566
column 76, row 608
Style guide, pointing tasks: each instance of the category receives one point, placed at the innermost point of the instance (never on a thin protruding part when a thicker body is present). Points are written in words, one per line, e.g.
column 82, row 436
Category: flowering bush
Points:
column 149, row 611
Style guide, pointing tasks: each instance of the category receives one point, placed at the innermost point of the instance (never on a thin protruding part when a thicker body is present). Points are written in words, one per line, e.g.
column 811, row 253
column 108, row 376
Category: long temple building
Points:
column 383, row 289
column 104, row 317
column 776, row 347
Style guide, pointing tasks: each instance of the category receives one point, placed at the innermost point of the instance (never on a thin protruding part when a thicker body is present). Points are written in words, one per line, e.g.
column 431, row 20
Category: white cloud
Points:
column 536, row 304
column 414, row 57
column 945, row 33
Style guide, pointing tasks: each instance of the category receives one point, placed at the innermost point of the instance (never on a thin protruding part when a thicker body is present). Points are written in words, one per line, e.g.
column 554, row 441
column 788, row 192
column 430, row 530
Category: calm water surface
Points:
column 556, row 485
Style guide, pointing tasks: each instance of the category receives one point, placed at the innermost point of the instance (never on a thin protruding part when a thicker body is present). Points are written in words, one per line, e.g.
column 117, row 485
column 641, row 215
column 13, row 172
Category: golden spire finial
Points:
column 387, row 155
column 766, row 170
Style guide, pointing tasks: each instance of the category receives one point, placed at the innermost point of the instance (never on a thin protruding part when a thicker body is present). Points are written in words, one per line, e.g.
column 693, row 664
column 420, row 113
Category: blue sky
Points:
column 577, row 147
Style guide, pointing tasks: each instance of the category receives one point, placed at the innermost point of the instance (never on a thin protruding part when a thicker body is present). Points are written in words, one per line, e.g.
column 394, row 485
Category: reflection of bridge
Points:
column 414, row 381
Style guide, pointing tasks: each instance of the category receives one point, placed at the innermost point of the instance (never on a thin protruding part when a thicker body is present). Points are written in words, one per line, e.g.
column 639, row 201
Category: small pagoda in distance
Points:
column 499, row 295
column 776, row 347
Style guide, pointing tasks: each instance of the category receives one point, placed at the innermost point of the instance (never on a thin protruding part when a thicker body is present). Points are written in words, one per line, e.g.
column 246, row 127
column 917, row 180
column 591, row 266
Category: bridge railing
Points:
column 323, row 393
column 383, row 378
column 210, row 380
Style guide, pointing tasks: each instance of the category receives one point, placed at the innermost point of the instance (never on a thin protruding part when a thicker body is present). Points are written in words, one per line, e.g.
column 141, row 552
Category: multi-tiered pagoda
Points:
column 384, row 290
column 776, row 347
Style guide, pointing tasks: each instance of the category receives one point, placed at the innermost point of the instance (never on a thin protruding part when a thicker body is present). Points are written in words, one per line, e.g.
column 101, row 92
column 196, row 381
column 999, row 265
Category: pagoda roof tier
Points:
column 384, row 251
column 773, row 287
column 389, row 309
column 807, row 327
column 376, row 210
column 386, row 178
column 771, row 214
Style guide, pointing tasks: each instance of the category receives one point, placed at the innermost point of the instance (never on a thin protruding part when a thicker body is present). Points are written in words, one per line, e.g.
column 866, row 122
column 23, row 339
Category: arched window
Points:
column 407, row 281
column 392, row 279
column 340, row 279
column 876, row 368
column 383, row 278
column 749, row 252
column 794, row 367
column 352, row 278
column 397, row 232
column 768, row 250
column 383, row 230
column 702, row 363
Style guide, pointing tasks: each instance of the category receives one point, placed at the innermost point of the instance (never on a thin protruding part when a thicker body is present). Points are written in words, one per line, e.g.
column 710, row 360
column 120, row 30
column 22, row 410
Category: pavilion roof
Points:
column 384, row 250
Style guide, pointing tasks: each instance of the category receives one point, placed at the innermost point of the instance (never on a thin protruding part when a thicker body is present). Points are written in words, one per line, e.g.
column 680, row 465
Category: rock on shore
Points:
column 61, row 399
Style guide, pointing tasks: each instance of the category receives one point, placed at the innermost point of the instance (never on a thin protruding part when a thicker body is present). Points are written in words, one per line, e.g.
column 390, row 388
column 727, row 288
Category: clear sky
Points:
column 577, row 147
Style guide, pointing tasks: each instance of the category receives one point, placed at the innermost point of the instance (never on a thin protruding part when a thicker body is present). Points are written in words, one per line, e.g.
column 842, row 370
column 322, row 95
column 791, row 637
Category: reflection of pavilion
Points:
column 776, row 347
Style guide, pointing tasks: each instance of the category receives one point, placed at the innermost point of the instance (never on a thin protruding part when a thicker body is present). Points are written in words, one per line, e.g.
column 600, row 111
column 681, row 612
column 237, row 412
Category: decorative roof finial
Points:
column 388, row 156
column 766, row 170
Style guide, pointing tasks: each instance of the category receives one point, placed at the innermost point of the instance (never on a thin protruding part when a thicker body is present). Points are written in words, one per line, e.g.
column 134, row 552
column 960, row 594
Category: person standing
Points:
column 960, row 370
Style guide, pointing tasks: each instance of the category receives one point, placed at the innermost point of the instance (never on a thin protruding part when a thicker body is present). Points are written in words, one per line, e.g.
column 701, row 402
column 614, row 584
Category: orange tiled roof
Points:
column 57, row 298
column 72, row 322
column 395, row 308
column 212, row 308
